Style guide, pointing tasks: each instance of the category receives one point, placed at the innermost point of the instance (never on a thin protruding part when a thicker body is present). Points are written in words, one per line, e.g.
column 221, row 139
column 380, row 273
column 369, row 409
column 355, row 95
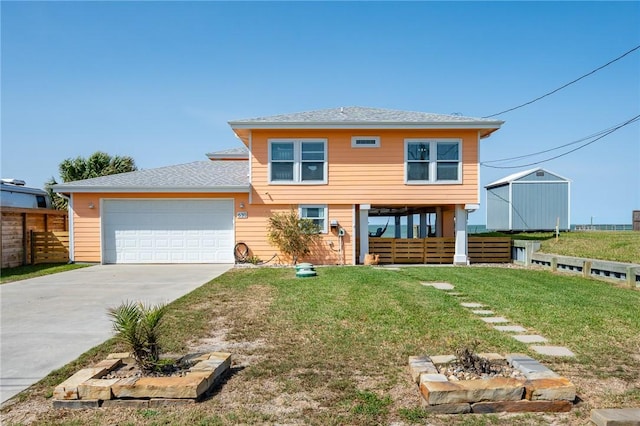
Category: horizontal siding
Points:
column 253, row 232
column 86, row 222
column 364, row 175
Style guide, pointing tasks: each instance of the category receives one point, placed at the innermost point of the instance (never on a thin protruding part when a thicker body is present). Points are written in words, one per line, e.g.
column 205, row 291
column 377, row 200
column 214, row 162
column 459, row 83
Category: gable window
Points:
column 298, row 161
column 365, row 142
column 317, row 213
column 432, row 161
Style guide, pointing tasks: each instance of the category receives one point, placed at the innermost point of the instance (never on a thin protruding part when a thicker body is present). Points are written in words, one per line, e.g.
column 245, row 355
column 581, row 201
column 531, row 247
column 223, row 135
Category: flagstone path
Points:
column 482, row 311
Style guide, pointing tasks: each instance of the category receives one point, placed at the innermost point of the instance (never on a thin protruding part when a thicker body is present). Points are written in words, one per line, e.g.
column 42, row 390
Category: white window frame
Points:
column 323, row 230
column 355, row 139
column 297, row 162
column 433, row 161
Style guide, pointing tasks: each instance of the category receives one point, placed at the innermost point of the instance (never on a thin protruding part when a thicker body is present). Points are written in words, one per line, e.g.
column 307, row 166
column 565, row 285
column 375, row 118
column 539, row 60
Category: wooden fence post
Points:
column 33, row 251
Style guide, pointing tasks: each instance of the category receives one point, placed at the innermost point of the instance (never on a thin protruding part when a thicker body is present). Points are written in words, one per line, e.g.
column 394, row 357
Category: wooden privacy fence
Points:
column 440, row 250
column 49, row 247
column 17, row 224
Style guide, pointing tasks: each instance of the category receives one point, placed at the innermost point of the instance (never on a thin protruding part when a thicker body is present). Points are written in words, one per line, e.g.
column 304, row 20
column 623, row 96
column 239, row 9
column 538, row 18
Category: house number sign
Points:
column 242, row 215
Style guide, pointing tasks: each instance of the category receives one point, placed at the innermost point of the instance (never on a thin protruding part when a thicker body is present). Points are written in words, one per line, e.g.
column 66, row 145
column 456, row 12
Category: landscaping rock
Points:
column 419, row 365
column 461, row 408
column 550, row 389
column 616, row 416
column 521, row 406
column 496, row 389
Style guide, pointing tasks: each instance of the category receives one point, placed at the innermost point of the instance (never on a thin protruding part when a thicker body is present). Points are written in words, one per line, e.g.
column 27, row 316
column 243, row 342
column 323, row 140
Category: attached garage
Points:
column 167, row 231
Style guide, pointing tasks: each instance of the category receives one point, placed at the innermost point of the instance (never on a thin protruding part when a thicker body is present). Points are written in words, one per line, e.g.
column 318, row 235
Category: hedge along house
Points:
column 531, row 200
column 337, row 167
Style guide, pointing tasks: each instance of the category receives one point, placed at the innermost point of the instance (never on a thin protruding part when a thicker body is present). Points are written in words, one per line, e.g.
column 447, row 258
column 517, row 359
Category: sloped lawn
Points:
column 333, row 349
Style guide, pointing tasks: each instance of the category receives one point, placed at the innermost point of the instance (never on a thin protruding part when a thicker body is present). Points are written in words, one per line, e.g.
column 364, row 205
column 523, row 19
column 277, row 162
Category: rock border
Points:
column 87, row 389
column 542, row 390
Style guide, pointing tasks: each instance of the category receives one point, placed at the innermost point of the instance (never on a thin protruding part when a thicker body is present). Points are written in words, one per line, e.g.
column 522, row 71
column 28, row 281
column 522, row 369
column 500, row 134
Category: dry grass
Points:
column 333, row 349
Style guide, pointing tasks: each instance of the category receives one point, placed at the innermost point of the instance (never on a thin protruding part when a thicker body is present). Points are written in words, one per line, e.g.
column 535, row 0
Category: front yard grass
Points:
column 333, row 349
column 31, row 271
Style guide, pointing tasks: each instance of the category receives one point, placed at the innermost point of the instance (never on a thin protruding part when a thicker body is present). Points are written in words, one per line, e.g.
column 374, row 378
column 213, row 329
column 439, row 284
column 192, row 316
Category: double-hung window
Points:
column 433, row 161
column 298, row 161
column 316, row 213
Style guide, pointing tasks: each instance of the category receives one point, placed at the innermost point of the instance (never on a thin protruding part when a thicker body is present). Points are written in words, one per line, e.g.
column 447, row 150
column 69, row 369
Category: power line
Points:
column 626, row 123
column 557, row 147
column 565, row 85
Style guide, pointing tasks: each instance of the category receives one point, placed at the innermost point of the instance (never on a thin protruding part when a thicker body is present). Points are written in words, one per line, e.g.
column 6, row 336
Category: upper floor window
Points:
column 433, row 161
column 298, row 161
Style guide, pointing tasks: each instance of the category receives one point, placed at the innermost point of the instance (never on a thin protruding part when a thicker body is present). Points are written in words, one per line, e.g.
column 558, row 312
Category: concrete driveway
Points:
column 47, row 322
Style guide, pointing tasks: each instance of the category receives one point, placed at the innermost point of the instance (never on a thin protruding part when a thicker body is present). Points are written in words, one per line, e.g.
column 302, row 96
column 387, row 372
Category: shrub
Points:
column 138, row 326
column 291, row 234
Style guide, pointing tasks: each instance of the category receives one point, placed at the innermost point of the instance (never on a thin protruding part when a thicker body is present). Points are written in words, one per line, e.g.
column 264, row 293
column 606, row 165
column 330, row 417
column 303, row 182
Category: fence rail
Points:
column 49, row 247
column 439, row 250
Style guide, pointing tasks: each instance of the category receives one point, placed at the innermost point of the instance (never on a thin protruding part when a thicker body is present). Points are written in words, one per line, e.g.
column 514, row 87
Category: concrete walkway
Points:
column 46, row 322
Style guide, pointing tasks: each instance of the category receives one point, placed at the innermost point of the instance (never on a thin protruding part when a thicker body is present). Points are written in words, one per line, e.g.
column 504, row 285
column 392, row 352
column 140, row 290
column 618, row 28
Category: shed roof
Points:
column 519, row 175
column 199, row 176
column 238, row 153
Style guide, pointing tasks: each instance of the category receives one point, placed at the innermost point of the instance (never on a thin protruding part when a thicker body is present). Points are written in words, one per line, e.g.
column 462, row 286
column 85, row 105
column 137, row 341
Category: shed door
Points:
column 167, row 231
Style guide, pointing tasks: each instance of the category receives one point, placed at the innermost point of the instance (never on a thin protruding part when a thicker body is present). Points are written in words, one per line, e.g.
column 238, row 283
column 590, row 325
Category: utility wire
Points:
column 565, row 85
column 555, row 148
column 626, row 123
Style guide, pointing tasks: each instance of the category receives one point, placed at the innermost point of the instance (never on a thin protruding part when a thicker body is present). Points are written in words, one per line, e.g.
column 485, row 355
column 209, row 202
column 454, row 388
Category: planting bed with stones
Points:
column 115, row 381
column 526, row 386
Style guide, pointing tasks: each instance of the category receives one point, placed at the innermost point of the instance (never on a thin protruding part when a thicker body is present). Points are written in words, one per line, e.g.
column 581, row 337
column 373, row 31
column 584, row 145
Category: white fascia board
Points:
column 135, row 189
column 365, row 125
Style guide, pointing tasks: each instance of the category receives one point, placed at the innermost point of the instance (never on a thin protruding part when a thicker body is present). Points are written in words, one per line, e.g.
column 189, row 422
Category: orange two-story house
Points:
column 339, row 167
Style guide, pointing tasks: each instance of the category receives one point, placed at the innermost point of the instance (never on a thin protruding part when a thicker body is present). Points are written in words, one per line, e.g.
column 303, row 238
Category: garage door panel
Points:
column 168, row 231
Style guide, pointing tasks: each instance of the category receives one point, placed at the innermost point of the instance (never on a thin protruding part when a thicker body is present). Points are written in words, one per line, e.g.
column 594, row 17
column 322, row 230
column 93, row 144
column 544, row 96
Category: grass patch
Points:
column 616, row 246
column 333, row 349
column 31, row 271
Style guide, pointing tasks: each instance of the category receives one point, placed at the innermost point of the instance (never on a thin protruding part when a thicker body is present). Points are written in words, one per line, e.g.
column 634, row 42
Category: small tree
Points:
column 292, row 234
column 138, row 326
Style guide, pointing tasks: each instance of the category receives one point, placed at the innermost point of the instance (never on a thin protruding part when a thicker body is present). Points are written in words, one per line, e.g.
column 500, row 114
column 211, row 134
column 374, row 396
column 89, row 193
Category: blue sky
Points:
column 158, row 81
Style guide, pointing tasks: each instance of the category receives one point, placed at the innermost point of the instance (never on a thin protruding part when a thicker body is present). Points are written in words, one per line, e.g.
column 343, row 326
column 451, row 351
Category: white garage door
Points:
column 167, row 231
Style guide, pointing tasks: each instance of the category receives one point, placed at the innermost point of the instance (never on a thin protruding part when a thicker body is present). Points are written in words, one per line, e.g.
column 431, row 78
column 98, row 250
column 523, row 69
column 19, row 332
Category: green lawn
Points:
column 617, row 246
column 334, row 349
column 31, row 271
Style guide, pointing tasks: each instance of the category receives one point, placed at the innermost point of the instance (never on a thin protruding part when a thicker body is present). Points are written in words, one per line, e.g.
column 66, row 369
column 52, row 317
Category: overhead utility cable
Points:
column 626, row 123
column 533, row 154
column 565, row 85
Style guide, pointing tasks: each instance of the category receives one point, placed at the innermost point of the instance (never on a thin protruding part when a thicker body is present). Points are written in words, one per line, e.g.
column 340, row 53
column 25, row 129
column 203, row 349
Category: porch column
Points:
column 363, row 232
column 397, row 227
column 438, row 223
column 410, row 226
column 423, row 225
column 460, row 257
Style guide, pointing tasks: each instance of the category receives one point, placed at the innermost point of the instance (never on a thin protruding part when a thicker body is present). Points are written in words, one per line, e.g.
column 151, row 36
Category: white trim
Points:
column 71, row 230
column 354, row 231
column 141, row 189
column 250, row 171
column 433, row 162
column 325, row 207
column 355, row 139
column 297, row 161
column 494, row 125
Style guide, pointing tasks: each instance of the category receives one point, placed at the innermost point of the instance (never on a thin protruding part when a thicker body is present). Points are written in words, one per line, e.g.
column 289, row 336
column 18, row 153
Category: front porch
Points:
column 424, row 234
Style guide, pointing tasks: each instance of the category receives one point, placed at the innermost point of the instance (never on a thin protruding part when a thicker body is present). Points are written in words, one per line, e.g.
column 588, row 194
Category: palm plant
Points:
column 138, row 326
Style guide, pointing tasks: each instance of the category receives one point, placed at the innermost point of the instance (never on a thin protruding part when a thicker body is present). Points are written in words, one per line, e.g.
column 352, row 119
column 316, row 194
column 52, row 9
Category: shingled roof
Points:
column 365, row 115
column 199, row 176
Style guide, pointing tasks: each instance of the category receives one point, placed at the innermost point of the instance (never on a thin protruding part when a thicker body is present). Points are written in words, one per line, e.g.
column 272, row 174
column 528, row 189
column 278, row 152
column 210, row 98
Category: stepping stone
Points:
column 455, row 293
column 471, row 305
column 529, row 338
column 494, row 320
column 616, row 416
column 482, row 312
column 512, row 328
column 553, row 350
column 439, row 286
